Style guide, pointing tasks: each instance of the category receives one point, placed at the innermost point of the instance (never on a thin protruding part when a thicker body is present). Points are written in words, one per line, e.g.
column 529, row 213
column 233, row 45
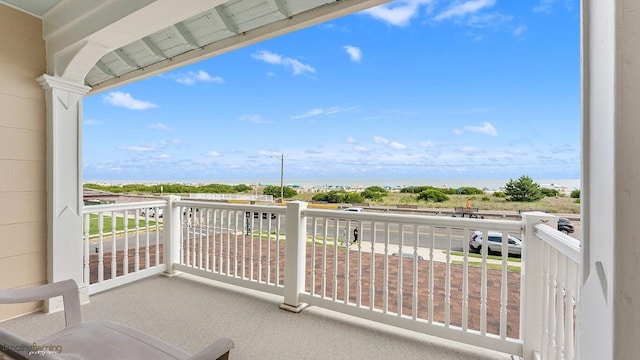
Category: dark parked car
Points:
column 565, row 225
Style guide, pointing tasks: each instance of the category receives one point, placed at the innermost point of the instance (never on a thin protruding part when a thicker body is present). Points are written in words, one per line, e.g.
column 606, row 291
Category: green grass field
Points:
column 559, row 205
column 108, row 224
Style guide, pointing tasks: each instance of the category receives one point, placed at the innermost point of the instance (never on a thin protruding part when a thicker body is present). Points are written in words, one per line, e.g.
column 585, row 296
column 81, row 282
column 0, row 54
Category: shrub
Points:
column 499, row 194
column 550, row 192
column 523, row 189
column 433, row 195
column 575, row 194
column 486, row 198
column 374, row 193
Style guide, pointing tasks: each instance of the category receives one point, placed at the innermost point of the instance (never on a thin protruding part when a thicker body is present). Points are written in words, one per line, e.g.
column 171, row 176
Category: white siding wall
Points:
column 23, row 253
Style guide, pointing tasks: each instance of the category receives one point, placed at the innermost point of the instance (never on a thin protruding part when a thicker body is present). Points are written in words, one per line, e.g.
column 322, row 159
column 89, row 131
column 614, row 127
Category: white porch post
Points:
column 171, row 241
column 64, row 183
column 610, row 311
column 294, row 262
column 531, row 302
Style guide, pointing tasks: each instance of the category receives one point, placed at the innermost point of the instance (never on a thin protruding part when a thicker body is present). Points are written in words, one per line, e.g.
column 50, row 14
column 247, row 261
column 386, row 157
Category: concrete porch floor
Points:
column 190, row 312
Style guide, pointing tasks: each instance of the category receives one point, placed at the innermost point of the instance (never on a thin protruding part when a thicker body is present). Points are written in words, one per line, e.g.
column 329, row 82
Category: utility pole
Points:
column 281, row 157
column 282, row 178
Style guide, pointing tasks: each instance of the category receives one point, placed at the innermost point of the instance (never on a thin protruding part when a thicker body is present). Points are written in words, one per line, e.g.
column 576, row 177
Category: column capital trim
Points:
column 49, row 82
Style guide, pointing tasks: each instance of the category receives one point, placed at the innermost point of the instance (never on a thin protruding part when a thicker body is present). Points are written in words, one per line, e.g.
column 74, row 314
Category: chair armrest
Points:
column 68, row 289
column 215, row 351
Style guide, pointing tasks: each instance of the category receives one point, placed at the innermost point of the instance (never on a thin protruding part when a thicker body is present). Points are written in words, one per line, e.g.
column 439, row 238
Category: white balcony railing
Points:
column 409, row 271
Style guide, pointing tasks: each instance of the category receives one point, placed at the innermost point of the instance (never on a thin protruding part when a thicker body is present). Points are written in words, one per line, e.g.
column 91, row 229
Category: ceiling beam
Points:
column 282, row 7
column 151, row 46
column 105, row 69
column 124, row 57
column 221, row 16
column 182, row 31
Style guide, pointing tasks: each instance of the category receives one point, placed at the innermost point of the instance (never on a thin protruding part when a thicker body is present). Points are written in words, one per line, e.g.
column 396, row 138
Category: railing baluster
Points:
column 251, row 247
column 335, row 260
column 221, row 245
column 260, row 233
column 372, row 267
column 157, row 238
column 239, row 215
column 570, row 308
column 503, row 286
column 431, row 275
column 278, row 224
column 228, row 252
column 114, row 264
column 359, row 267
column 447, row 279
column 324, row 257
column 400, row 271
column 200, row 240
column 347, row 241
column 213, row 240
column 414, row 305
column 182, row 240
column 314, row 235
column 87, row 259
column 147, row 235
column 269, row 229
column 207, row 239
column 125, row 248
column 136, row 265
column 247, row 232
column 465, row 280
column 100, row 247
column 483, row 291
column 385, row 274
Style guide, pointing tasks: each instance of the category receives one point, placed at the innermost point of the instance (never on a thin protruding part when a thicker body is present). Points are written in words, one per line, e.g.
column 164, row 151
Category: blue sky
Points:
column 409, row 91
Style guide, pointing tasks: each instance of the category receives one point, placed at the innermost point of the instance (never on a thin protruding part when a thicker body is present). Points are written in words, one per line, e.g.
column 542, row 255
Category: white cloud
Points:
column 295, row 65
column 461, row 9
column 360, row 148
column 137, row 148
column 396, row 145
column 125, row 100
column 355, row 54
column 253, row 118
column 320, row 111
column 427, row 144
column 399, row 13
column 162, row 156
column 191, row 78
column 176, row 141
column 457, row 131
column 519, row 30
column 159, row 126
column 213, row 154
column 351, row 140
column 486, row 128
column 544, row 6
column 380, row 139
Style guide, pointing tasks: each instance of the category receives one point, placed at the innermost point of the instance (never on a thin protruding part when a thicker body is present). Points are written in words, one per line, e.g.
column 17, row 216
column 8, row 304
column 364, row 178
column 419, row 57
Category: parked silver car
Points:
column 495, row 243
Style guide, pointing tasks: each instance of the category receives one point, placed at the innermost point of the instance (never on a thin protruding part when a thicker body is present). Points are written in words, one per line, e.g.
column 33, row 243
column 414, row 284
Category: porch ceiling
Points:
column 225, row 27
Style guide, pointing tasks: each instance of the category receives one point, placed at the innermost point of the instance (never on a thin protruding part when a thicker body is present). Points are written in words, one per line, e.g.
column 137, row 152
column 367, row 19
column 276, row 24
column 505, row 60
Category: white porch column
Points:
column 64, row 182
column 171, row 243
column 610, row 308
column 294, row 261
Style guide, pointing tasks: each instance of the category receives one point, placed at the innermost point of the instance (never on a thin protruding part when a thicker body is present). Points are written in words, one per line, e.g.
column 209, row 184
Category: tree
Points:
column 433, row 195
column 275, row 191
column 374, row 193
column 523, row 189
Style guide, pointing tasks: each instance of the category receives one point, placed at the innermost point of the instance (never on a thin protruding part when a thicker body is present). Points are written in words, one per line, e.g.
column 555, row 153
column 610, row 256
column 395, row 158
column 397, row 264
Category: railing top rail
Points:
column 226, row 206
column 437, row 221
column 567, row 245
column 123, row 206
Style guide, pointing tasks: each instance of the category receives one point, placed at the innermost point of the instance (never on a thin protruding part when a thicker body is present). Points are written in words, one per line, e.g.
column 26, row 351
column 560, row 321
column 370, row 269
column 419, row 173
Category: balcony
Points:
column 409, row 286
